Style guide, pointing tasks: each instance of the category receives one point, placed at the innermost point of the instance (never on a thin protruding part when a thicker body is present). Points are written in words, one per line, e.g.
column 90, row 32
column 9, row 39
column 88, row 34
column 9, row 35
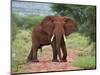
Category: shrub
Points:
column 14, row 30
column 76, row 40
column 20, row 49
column 26, row 21
column 80, row 44
column 86, row 62
column 30, row 21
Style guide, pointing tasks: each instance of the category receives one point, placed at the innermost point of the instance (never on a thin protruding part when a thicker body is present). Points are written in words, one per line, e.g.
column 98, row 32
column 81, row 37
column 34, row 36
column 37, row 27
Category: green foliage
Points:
column 75, row 11
column 84, row 15
column 76, row 41
column 17, row 19
column 79, row 43
column 27, row 21
column 88, row 28
column 14, row 30
column 30, row 21
column 59, row 8
column 20, row 49
column 23, row 22
column 86, row 62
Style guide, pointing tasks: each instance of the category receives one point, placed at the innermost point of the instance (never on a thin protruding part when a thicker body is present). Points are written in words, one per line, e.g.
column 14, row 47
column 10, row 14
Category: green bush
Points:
column 80, row 44
column 30, row 21
column 14, row 30
column 20, row 49
column 27, row 21
column 76, row 40
column 86, row 62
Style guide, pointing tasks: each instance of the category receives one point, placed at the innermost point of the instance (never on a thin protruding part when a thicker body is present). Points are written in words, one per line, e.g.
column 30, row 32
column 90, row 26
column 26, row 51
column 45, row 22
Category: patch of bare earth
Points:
column 46, row 63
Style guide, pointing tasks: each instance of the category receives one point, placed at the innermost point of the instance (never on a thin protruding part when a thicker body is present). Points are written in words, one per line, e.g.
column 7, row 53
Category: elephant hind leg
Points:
column 30, row 56
column 33, row 55
column 64, row 50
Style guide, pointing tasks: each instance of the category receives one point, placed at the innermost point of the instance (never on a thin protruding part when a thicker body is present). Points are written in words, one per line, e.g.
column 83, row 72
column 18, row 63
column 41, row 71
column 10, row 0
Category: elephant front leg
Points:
column 64, row 50
column 54, row 52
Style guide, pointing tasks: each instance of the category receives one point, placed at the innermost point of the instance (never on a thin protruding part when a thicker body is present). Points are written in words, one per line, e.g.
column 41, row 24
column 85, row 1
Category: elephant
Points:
column 51, row 31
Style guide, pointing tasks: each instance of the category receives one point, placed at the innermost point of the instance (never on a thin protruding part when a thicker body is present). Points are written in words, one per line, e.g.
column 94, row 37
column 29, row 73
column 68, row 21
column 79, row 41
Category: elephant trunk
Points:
column 58, row 34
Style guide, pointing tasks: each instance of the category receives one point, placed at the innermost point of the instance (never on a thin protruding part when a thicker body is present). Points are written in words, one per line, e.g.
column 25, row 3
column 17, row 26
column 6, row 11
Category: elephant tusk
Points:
column 52, row 37
column 64, row 38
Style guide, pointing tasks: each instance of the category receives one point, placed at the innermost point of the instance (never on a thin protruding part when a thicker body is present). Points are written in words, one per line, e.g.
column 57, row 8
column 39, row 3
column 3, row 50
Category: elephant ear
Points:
column 69, row 26
column 47, row 25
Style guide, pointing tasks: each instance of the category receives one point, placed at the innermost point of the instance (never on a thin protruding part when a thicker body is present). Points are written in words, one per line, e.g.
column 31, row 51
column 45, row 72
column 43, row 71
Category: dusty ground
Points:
column 46, row 64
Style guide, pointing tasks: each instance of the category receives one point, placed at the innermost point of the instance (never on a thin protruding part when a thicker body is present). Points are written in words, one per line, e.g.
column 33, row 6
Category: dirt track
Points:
column 46, row 64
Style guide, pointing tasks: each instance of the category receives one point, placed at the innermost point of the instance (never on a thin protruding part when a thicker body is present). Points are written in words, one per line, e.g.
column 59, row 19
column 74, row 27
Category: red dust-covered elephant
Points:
column 51, row 30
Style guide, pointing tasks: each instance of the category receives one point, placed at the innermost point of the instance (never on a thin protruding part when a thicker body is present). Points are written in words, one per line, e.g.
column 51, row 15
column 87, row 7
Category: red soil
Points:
column 46, row 64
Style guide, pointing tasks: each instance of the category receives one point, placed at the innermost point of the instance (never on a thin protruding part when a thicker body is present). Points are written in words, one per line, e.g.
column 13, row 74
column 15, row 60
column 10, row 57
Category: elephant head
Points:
column 57, row 27
column 63, row 23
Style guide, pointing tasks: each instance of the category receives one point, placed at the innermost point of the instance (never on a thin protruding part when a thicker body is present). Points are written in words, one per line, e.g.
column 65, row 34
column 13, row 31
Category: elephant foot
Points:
column 35, row 60
column 55, row 60
column 29, row 60
column 63, row 60
column 32, row 60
